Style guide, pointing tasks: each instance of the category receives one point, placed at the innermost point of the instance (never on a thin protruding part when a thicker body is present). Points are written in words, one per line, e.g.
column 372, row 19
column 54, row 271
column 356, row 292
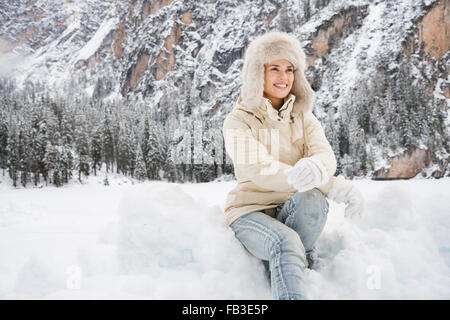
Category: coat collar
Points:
column 283, row 114
column 288, row 109
column 260, row 115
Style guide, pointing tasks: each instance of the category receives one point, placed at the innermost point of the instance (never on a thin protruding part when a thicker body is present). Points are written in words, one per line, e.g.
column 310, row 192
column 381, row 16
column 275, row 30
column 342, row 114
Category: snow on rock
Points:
column 94, row 43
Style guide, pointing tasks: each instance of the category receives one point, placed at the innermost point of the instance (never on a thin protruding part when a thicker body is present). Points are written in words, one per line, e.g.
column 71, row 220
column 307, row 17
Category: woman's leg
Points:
column 269, row 239
column 306, row 213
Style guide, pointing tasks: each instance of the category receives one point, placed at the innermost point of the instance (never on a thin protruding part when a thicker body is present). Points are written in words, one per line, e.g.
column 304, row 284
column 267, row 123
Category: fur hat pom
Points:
column 264, row 49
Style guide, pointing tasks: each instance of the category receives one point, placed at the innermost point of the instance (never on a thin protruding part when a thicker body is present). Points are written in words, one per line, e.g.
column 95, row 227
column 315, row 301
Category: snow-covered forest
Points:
column 46, row 140
column 52, row 141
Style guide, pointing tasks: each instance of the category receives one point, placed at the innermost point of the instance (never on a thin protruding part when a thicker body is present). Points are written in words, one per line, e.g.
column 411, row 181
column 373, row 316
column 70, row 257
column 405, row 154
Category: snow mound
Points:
column 158, row 240
column 185, row 246
column 397, row 250
column 36, row 279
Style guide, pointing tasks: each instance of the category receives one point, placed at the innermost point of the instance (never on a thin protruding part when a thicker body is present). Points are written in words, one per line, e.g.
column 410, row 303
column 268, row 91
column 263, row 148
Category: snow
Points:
column 90, row 90
column 94, row 43
column 365, row 43
column 159, row 240
column 53, row 61
column 439, row 94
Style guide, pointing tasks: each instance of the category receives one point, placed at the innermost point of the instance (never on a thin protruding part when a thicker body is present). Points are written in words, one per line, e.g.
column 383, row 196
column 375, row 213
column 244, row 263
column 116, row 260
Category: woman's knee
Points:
column 305, row 212
column 311, row 200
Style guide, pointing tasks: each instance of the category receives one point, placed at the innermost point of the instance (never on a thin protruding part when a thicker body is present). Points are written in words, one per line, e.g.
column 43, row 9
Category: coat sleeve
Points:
column 251, row 159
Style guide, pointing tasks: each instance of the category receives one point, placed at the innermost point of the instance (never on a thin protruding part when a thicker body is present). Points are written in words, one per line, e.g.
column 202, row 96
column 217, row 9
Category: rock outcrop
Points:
column 404, row 166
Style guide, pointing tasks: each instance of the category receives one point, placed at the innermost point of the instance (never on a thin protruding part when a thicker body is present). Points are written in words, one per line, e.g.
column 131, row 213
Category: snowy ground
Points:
column 157, row 240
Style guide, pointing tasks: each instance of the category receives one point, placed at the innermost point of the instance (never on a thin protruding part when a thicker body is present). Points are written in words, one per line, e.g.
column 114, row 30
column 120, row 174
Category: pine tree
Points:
column 199, row 168
column 40, row 148
column 115, row 136
column 371, row 159
column 155, row 157
column 145, row 146
column 420, row 105
column 56, row 173
column 133, row 148
column 33, row 146
column 307, row 9
column 13, row 157
column 3, row 142
column 363, row 108
column 330, row 129
column 181, row 152
column 96, row 150
column 214, row 147
column 401, row 113
column 343, row 138
column 67, row 163
column 49, row 161
column 123, row 159
column 108, row 141
column 140, row 171
column 209, row 163
column 170, row 169
column 83, row 151
column 24, row 156
column 66, row 130
column 356, row 145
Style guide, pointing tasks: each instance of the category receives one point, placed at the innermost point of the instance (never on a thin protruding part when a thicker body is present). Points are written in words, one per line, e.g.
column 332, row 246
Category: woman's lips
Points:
column 281, row 86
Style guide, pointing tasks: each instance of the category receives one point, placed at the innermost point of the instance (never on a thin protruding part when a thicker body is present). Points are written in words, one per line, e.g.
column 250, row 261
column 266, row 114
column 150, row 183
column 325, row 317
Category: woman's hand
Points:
column 345, row 191
column 306, row 174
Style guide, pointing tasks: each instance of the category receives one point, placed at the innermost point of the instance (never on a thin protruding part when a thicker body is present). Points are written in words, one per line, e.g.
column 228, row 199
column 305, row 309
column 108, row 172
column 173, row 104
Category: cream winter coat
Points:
column 263, row 141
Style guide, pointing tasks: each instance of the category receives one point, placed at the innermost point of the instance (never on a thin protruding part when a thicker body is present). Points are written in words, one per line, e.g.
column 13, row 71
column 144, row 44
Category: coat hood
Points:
column 268, row 47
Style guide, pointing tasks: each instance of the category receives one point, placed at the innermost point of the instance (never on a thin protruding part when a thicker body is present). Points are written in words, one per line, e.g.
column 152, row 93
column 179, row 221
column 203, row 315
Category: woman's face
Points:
column 278, row 79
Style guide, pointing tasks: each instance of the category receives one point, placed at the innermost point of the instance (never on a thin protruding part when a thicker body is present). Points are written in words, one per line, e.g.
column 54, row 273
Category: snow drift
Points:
column 159, row 240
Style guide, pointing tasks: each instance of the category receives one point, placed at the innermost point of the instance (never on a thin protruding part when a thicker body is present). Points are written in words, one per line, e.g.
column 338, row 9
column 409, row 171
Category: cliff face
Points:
column 331, row 31
column 430, row 40
column 434, row 30
column 329, row 34
column 177, row 56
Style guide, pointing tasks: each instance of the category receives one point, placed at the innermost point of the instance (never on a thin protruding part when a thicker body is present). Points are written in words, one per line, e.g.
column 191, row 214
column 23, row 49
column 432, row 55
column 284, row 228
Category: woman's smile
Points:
column 281, row 86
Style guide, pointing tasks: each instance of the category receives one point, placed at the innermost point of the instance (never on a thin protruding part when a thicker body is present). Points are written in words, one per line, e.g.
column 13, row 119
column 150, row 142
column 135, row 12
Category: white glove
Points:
column 306, row 174
column 345, row 191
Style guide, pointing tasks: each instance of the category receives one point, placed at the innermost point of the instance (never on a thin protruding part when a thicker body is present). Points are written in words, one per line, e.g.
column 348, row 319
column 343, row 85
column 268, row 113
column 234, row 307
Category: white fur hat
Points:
column 266, row 48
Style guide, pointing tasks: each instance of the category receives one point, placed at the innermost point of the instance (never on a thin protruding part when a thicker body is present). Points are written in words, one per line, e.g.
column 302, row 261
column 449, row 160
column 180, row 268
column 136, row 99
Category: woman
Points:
column 283, row 163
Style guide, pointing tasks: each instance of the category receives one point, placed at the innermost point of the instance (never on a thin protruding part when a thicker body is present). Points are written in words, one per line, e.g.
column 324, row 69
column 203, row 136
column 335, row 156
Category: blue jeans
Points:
column 284, row 241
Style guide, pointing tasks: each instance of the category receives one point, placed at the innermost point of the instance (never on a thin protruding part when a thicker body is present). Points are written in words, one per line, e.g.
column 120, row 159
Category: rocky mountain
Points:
column 379, row 68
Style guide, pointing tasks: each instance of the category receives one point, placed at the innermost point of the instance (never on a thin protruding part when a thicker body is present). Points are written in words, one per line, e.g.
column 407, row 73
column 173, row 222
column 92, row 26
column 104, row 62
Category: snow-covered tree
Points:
column 140, row 171
column 96, row 149
column 13, row 164
column 3, row 141
column 108, row 141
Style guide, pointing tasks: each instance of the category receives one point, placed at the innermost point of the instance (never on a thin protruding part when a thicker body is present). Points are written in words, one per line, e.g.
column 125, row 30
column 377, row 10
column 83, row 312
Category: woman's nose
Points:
column 284, row 74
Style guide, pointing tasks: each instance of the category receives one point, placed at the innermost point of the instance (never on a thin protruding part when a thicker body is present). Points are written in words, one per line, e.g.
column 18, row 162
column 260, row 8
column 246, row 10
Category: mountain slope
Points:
column 183, row 57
